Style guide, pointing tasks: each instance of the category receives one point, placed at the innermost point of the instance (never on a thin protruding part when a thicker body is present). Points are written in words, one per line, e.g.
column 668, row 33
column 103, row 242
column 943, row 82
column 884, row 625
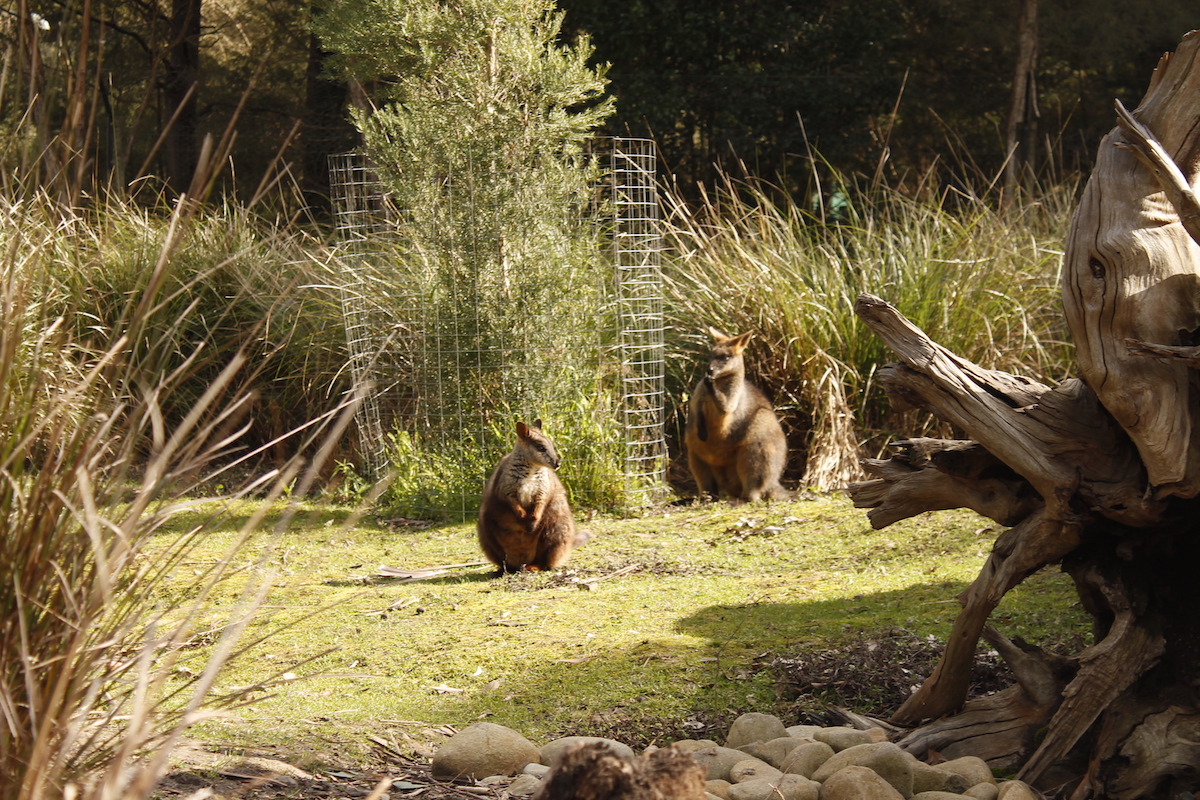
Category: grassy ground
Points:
column 681, row 641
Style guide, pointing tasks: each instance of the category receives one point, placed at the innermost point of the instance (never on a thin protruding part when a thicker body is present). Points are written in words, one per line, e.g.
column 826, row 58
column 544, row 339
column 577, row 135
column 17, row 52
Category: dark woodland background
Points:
column 922, row 87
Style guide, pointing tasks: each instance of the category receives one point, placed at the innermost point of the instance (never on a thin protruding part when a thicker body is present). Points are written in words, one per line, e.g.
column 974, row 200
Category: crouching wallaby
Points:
column 525, row 521
column 735, row 444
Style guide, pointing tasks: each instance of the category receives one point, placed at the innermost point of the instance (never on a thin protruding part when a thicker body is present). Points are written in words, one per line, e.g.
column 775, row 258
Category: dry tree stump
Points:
column 1099, row 474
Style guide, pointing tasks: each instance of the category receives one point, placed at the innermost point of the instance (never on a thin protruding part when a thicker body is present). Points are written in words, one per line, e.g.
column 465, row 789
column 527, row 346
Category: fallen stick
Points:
column 425, row 573
column 589, row 582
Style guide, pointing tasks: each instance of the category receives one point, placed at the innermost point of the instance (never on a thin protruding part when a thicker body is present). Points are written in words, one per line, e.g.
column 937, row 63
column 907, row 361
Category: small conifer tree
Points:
column 479, row 122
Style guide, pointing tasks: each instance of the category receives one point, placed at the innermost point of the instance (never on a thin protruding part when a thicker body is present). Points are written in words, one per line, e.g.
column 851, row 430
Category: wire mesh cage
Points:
column 496, row 313
column 637, row 263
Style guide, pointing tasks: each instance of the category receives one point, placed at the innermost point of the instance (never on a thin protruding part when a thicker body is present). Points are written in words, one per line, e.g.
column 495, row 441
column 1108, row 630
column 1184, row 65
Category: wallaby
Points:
column 525, row 521
column 735, row 444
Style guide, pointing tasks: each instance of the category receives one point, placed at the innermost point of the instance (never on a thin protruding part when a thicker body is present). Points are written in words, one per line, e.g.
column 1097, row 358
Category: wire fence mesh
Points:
column 509, row 319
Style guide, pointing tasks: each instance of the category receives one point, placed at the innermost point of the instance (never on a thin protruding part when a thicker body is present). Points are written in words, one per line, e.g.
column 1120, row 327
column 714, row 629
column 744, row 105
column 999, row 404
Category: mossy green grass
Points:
column 663, row 623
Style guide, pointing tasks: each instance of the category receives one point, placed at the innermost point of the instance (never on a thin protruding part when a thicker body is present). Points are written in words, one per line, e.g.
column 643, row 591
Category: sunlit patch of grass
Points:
column 684, row 635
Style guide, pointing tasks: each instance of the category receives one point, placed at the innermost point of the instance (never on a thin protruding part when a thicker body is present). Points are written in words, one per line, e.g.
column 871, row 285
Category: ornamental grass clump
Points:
column 982, row 281
column 91, row 468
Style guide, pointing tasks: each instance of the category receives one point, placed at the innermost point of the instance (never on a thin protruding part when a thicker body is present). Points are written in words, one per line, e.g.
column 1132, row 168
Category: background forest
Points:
column 127, row 90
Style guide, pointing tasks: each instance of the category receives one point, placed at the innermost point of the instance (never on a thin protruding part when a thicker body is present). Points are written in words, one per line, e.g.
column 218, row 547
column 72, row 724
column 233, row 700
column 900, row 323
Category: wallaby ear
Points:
column 717, row 334
column 537, row 423
column 738, row 343
column 522, row 430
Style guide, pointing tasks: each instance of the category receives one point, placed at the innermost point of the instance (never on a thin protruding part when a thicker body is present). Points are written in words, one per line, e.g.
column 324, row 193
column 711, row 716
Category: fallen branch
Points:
column 590, row 583
column 425, row 573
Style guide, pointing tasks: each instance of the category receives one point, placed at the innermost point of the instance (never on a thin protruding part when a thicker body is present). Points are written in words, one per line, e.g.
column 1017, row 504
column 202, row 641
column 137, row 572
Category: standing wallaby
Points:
column 525, row 522
column 734, row 442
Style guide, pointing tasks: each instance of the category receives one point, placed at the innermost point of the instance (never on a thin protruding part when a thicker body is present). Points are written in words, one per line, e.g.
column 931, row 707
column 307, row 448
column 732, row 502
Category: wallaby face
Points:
column 535, row 447
column 726, row 367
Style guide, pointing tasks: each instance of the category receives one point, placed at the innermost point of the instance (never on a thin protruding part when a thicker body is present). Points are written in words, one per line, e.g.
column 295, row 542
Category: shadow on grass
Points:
column 746, row 657
column 920, row 606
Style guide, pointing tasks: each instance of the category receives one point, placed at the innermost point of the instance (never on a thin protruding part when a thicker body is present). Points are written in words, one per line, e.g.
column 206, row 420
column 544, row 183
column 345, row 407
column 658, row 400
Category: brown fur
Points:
column 525, row 521
column 735, row 444
column 594, row 771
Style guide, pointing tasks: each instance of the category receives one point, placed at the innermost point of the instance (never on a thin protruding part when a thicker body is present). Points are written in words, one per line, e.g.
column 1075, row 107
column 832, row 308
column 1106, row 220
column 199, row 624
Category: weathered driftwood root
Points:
column 1039, row 540
column 1146, row 148
column 1046, row 461
column 1101, row 474
column 1159, row 745
column 1107, row 669
column 936, row 474
column 1000, row 728
column 1132, row 267
column 1059, row 440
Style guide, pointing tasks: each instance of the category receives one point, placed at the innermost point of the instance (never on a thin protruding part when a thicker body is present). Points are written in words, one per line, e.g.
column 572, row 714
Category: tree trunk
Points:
column 1021, row 131
column 179, row 95
column 1099, row 475
column 327, row 127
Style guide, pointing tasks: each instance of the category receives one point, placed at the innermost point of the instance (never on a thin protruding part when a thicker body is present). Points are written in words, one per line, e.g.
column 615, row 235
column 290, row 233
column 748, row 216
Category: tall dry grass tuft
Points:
column 236, row 280
column 984, row 282
column 92, row 464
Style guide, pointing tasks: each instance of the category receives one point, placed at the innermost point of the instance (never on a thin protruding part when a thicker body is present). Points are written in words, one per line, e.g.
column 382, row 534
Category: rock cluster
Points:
column 761, row 759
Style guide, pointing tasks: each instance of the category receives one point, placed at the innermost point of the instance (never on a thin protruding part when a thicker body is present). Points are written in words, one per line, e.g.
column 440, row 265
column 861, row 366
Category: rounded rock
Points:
column 718, row 761
column 885, row 759
column 692, row 745
column 483, row 749
column 524, row 785
column 806, row 758
column 841, row 738
column 858, row 783
column 927, row 778
column 983, row 791
column 773, row 752
column 803, row 731
column 753, row 769
column 553, row 751
column 1016, row 790
column 973, row 768
column 755, row 727
column 936, row 795
column 718, row 788
column 786, row 787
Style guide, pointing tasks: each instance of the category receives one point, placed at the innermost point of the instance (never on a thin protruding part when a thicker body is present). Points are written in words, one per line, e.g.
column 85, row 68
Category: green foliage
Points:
column 477, row 90
column 479, row 132
column 742, row 86
column 443, row 477
column 981, row 282
column 429, row 480
column 234, row 281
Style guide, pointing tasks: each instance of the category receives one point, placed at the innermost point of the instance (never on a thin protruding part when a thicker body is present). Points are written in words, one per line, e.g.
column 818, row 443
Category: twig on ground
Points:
column 425, row 573
column 589, row 583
